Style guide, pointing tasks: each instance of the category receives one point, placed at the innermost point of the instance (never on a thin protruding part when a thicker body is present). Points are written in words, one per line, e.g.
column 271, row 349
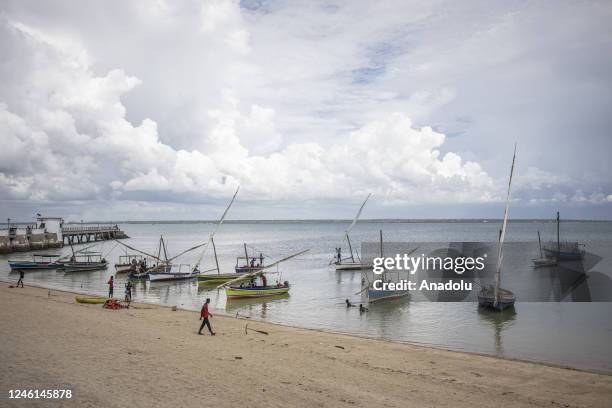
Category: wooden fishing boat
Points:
column 350, row 263
column 38, row 261
column 125, row 262
column 563, row 250
column 84, row 262
column 375, row 295
column 238, row 292
column 488, row 299
column 244, row 286
column 248, row 264
column 543, row 261
column 494, row 296
column 176, row 272
column 94, row 300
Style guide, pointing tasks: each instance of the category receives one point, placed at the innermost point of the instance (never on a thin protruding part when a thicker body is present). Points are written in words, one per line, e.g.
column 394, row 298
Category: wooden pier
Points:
column 82, row 234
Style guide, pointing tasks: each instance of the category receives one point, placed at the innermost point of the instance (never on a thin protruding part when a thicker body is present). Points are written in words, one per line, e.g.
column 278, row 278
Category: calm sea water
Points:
column 574, row 334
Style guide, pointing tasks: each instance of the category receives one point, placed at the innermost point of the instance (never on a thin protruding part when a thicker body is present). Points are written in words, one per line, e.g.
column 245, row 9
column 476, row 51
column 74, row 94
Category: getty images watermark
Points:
column 456, row 271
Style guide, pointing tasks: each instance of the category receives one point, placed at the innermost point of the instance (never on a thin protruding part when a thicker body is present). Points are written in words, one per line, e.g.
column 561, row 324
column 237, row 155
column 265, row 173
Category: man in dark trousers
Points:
column 20, row 279
column 111, row 284
column 205, row 314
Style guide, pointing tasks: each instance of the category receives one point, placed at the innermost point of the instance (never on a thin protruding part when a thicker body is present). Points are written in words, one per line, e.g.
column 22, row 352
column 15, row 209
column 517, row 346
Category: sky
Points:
column 158, row 110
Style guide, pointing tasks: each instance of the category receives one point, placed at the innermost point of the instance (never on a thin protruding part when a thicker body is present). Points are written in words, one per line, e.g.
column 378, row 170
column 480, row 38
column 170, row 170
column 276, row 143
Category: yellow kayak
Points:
column 94, row 300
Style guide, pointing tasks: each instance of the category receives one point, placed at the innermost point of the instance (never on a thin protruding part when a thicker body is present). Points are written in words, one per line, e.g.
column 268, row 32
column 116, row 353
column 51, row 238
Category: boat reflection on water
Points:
column 253, row 307
column 500, row 320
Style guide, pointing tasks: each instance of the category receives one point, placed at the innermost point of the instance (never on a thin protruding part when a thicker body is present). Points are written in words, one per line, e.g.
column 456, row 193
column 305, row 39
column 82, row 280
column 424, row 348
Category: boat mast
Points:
column 246, row 254
column 350, row 247
column 212, row 241
column 540, row 244
column 197, row 263
column 348, row 230
column 500, row 254
column 381, row 245
column 165, row 252
column 558, row 236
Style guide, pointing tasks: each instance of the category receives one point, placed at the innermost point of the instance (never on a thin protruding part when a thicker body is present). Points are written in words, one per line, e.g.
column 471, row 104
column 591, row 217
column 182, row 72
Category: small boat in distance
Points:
column 38, row 261
column 494, row 296
column 542, row 260
column 84, row 262
column 349, row 263
column 563, row 251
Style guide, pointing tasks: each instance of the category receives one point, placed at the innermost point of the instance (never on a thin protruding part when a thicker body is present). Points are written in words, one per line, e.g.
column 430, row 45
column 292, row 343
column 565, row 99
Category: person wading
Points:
column 111, row 284
column 21, row 275
column 205, row 314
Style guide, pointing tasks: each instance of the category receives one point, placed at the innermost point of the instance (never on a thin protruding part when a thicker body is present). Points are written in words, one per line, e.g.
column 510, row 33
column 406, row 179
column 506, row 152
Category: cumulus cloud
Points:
column 69, row 139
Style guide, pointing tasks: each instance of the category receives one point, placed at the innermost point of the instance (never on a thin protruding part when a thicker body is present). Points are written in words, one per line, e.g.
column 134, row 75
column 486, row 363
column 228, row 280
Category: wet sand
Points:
column 152, row 356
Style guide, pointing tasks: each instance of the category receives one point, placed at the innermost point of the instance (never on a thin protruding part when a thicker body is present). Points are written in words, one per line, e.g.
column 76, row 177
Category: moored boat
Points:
column 494, row 296
column 244, row 285
column 38, row 261
column 84, row 262
column 129, row 262
column 488, row 299
column 563, row 251
column 350, row 263
column 176, row 272
column 543, row 261
column 94, row 300
column 238, row 292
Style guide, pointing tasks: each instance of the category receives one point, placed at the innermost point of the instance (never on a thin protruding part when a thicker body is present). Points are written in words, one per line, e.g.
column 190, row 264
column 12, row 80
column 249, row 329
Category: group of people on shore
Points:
column 129, row 286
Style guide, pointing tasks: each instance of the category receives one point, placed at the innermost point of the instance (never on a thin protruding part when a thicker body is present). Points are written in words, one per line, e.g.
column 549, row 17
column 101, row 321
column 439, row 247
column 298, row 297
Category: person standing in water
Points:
column 111, row 284
column 21, row 275
column 205, row 314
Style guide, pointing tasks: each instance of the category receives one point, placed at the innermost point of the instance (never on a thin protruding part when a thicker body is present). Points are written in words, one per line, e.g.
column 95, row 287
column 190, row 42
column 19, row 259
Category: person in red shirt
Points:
column 111, row 283
column 205, row 314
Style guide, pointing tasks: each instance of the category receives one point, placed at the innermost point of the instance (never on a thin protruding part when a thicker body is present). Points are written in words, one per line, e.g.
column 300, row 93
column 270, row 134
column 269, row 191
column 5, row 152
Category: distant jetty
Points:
column 50, row 232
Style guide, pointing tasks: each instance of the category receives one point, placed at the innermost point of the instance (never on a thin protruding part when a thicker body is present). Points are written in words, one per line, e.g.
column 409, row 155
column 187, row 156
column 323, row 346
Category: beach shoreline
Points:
column 224, row 313
column 149, row 354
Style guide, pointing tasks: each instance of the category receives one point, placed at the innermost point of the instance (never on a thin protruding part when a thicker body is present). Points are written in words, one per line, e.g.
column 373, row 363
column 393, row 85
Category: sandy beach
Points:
column 151, row 356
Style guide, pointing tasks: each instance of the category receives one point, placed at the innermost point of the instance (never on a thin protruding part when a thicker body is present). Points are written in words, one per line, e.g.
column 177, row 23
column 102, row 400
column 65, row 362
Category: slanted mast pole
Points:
column 500, row 254
column 246, row 255
column 350, row 247
column 212, row 241
column 558, row 236
column 540, row 245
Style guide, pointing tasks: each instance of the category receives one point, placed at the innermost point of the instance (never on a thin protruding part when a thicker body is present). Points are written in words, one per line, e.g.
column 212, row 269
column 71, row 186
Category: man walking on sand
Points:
column 111, row 284
column 205, row 314
column 21, row 275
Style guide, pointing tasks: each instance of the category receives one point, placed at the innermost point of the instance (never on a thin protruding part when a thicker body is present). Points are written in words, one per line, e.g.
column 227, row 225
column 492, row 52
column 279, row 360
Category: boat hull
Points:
column 122, row 268
column 167, row 276
column 247, row 269
column 84, row 267
column 237, row 293
column 563, row 255
column 219, row 278
column 378, row 295
column 93, row 300
column 486, row 299
column 351, row 266
column 28, row 265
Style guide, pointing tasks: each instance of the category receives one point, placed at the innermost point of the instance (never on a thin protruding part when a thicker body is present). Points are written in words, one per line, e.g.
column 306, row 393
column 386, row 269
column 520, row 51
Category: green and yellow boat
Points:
column 236, row 292
column 92, row 300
